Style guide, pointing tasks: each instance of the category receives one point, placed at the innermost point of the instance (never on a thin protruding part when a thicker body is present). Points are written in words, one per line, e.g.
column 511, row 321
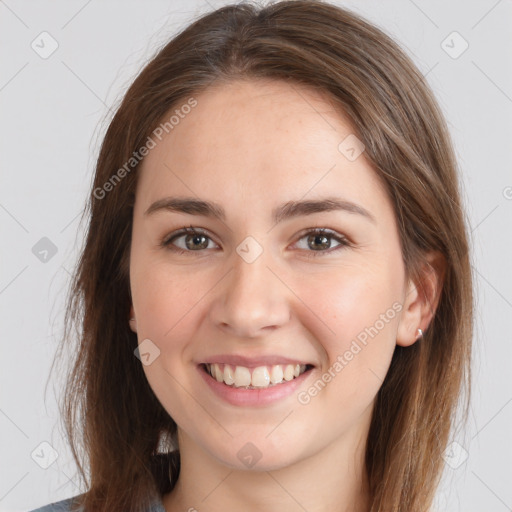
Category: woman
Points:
column 274, row 295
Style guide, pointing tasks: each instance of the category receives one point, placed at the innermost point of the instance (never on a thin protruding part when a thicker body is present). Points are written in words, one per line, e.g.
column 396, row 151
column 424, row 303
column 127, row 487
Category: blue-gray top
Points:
column 66, row 506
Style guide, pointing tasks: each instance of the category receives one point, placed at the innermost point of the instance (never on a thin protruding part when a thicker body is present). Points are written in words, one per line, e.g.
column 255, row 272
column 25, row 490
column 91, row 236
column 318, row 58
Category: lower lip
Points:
column 253, row 397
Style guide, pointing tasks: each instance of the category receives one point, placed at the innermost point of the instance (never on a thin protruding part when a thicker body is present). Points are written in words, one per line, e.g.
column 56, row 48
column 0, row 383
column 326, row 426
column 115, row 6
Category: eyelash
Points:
column 167, row 242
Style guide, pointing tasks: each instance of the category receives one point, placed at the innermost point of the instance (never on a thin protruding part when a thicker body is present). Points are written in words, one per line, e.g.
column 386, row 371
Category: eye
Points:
column 319, row 239
column 194, row 240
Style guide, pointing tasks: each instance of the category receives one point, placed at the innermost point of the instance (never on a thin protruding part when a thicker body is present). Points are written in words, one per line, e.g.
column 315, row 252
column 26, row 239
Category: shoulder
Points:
column 67, row 506
column 60, row 506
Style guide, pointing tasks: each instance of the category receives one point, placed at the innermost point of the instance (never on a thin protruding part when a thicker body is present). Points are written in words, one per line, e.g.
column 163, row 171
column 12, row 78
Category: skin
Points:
column 250, row 146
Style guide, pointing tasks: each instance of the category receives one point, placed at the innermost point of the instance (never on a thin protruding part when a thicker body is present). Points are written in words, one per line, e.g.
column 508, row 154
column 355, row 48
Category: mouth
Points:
column 261, row 377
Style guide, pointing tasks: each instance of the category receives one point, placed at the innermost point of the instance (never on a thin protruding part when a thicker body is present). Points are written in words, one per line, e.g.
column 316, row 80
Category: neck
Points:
column 332, row 479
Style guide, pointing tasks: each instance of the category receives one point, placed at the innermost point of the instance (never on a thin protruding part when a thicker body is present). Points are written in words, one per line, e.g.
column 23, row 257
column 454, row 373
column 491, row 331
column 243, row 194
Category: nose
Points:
column 251, row 299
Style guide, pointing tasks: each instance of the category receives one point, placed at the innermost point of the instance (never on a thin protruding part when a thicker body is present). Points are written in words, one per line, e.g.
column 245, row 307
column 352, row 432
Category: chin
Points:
column 256, row 453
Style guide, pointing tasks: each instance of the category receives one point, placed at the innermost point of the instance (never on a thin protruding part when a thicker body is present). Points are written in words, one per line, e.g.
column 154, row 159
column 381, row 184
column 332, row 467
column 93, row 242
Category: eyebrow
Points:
column 288, row 210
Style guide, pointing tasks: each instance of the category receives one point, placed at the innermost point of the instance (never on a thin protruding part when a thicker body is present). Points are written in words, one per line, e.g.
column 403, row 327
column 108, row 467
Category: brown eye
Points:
column 190, row 240
column 316, row 242
column 193, row 242
column 319, row 241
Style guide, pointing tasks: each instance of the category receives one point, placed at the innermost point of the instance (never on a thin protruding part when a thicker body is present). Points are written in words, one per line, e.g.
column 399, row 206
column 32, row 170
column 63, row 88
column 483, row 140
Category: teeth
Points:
column 242, row 376
column 229, row 377
column 276, row 375
column 219, row 375
column 260, row 377
column 288, row 372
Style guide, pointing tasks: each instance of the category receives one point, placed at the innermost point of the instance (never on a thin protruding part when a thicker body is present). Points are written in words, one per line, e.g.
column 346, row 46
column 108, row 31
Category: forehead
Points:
column 264, row 141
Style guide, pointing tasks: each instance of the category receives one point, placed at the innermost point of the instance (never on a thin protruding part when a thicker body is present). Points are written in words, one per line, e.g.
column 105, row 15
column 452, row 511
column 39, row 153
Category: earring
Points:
column 420, row 334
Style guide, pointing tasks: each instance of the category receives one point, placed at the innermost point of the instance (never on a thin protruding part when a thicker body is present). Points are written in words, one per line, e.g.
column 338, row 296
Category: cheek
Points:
column 356, row 357
column 360, row 309
column 164, row 301
column 165, row 308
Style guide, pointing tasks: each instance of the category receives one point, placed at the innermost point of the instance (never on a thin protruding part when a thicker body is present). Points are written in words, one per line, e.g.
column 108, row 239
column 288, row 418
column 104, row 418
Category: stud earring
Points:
column 420, row 334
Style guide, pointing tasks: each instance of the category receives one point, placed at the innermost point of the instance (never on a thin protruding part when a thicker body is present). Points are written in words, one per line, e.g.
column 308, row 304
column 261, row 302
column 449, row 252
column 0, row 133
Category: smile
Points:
column 257, row 378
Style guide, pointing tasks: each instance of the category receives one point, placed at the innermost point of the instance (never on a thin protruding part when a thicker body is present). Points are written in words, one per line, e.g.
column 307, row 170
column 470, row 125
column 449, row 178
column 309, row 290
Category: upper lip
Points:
column 252, row 362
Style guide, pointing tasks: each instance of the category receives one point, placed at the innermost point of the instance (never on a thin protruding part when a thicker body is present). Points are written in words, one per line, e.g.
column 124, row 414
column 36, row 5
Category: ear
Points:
column 132, row 321
column 421, row 300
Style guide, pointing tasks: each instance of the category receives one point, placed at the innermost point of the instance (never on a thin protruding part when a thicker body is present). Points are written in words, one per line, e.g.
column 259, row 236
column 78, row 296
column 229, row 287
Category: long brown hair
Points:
column 113, row 420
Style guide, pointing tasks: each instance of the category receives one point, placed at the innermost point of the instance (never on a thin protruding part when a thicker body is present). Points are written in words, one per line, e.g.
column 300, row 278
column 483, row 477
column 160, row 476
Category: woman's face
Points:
column 254, row 288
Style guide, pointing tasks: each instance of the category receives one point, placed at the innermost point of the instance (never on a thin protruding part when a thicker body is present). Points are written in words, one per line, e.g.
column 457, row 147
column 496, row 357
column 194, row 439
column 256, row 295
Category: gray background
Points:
column 54, row 113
